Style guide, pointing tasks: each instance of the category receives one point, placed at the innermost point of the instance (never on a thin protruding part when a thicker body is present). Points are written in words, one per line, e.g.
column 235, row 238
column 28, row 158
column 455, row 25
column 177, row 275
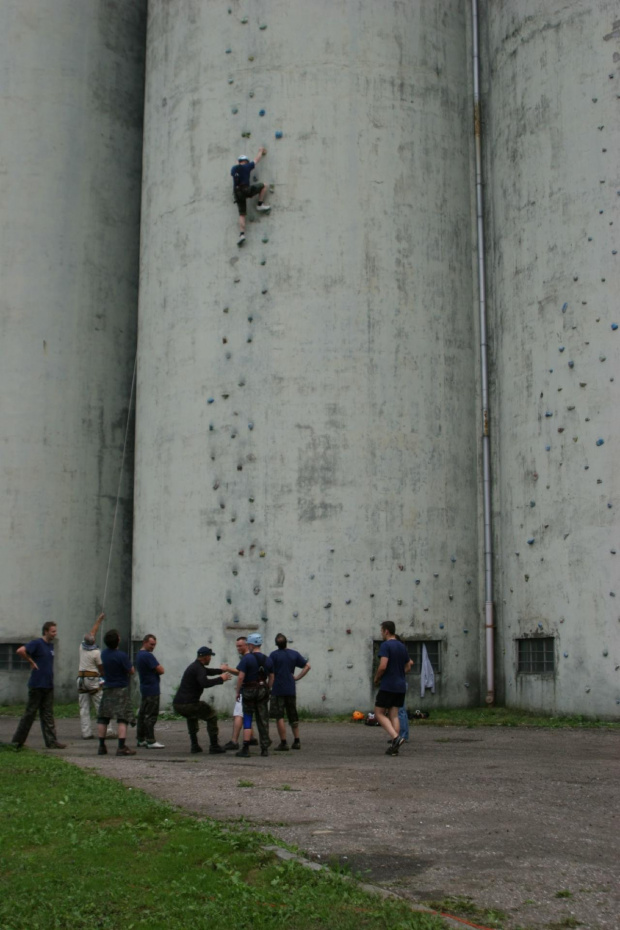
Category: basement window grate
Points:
column 9, row 660
column 536, row 656
column 414, row 648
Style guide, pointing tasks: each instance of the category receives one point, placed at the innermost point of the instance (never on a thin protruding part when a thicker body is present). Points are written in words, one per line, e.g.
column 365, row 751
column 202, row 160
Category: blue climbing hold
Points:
column 228, row 51
column 279, row 133
column 600, row 442
column 210, row 400
column 571, row 364
column 453, row 558
column 547, row 448
column 614, row 326
column 532, row 503
column 548, row 413
column 261, row 112
column 566, row 655
column 250, row 426
column 531, row 541
column 441, row 626
column 561, row 349
column 564, row 308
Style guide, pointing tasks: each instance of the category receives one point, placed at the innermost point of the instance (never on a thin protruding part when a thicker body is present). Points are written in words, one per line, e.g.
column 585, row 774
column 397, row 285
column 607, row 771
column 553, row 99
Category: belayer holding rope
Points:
column 244, row 190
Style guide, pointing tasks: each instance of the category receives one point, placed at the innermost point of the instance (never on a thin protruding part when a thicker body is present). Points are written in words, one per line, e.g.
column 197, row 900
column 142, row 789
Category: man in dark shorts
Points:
column 253, row 683
column 187, row 701
column 149, row 671
column 40, row 654
column 116, row 700
column 394, row 663
column 243, row 189
column 283, row 699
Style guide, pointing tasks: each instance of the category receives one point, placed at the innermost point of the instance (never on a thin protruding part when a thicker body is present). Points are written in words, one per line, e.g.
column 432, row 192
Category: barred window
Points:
column 9, row 660
column 414, row 648
column 536, row 656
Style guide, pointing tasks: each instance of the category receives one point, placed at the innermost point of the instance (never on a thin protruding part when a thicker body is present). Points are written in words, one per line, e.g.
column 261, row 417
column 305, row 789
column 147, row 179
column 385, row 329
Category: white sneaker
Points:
column 155, row 746
column 241, row 239
column 263, row 208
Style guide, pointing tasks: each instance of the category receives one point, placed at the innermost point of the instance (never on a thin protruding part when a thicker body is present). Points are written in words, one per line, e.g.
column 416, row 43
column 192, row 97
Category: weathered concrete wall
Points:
column 306, row 426
column 71, row 108
column 552, row 141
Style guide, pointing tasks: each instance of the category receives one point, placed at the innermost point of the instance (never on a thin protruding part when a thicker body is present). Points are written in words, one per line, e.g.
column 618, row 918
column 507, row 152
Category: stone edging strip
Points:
column 451, row 921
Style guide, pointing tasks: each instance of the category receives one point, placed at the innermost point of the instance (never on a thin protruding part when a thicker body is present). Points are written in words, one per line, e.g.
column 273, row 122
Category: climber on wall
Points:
column 243, row 189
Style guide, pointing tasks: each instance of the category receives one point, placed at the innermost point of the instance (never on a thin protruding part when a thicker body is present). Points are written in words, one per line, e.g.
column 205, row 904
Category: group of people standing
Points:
column 259, row 677
column 265, row 688
column 103, row 685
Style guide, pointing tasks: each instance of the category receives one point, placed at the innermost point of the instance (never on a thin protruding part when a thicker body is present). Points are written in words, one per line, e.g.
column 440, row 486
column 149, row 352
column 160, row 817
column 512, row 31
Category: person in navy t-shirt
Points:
column 254, row 679
column 116, row 700
column 149, row 670
column 394, row 663
column 40, row 654
column 283, row 693
column 243, row 189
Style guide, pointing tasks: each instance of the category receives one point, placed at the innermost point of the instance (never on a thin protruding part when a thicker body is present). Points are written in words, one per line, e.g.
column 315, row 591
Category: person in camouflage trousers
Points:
column 254, row 680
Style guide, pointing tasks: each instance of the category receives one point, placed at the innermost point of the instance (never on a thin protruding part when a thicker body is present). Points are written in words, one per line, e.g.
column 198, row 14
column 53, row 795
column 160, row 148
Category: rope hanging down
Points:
column 120, row 480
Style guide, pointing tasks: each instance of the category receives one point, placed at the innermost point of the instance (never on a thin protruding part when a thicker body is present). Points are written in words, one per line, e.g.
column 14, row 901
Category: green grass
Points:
column 463, row 717
column 485, row 717
column 463, row 906
column 81, row 851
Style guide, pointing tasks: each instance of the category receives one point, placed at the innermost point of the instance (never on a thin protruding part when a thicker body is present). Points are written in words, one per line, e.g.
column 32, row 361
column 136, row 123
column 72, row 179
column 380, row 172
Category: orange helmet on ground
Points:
column 357, row 715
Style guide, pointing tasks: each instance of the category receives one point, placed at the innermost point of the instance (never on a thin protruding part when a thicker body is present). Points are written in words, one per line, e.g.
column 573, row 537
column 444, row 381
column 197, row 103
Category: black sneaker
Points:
column 390, row 751
column 230, row 745
column 398, row 742
column 296, row 745
column 243, row 753
column 216, row 750
column 281, row 748
column 253, row 741
column 102, row 751
column 196, row 748
column 265, row 752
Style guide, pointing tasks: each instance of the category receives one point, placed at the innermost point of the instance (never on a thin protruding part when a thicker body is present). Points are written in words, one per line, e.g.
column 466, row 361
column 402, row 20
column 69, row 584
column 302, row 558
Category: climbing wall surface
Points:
column 306, row 425
column 71, row 106
column 552, row 142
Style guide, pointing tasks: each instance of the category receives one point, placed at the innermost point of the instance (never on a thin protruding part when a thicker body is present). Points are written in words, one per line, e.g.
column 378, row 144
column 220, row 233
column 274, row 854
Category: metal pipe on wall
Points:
column 484, row 379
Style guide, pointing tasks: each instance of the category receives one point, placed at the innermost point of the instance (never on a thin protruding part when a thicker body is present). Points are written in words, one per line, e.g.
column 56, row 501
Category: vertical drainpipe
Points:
column 486, row 457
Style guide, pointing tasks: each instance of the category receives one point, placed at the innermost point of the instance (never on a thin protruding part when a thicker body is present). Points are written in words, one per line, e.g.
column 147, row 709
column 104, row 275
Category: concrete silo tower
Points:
column 552, row 141
column 71, row 106
column 306, row 439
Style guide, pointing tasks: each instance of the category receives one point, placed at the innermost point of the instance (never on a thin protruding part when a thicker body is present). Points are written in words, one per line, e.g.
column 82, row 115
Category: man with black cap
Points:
column 187, row 701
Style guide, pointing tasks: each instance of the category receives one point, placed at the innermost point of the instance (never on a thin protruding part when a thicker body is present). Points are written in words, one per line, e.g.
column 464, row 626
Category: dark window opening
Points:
column 536, row 656
column 9, row 660
column 414, row 648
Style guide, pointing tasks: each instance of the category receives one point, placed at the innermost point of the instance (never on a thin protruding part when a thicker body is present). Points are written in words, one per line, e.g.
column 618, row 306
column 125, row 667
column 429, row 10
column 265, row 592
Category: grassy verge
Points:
column 81, row 851
column 464, row 717
column 485, row 717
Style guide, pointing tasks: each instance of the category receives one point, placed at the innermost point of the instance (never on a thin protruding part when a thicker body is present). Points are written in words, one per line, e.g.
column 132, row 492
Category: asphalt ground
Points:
column 520, row 820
